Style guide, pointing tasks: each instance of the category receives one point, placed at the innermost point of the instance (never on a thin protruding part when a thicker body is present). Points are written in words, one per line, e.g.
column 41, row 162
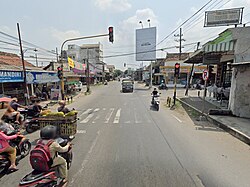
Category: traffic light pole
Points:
column 61, row 58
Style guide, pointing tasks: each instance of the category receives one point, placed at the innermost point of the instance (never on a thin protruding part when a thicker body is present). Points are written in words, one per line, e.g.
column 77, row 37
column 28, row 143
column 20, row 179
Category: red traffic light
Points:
column 110, row 29
column 111, row 35
column 177, row 65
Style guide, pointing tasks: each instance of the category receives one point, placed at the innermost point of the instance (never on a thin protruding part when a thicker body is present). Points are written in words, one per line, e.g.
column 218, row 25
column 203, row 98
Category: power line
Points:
column 184, row 22
column 134, row 53
column 28, row 43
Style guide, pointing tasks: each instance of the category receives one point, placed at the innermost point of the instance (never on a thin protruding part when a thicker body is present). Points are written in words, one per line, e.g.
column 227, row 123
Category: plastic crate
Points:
column 65, row 127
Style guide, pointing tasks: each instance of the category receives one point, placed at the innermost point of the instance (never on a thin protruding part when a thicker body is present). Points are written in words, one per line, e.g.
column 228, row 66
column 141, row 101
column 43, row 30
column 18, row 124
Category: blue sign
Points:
column 41, row 77
column 11, row 76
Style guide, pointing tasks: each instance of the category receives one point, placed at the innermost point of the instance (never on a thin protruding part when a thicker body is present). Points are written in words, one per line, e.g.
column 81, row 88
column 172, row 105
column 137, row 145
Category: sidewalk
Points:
column 238, row 127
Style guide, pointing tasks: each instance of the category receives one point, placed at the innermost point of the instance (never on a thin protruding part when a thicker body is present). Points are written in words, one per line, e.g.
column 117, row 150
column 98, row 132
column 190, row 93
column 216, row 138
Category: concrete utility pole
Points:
column 180, row 51
column 190, row 79
column 88, row 81
column 26, row 94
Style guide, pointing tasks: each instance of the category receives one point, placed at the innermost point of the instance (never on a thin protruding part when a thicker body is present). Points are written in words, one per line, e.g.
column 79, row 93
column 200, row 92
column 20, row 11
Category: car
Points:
column 127, row 86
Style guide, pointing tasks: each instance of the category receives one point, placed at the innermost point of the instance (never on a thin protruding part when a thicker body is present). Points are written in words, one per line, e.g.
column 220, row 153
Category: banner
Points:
column 41, row 77
column 71, row 63
column 11, row 76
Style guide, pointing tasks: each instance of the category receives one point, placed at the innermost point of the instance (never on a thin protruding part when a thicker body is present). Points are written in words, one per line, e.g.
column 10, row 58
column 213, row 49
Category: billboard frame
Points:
column 239, row 22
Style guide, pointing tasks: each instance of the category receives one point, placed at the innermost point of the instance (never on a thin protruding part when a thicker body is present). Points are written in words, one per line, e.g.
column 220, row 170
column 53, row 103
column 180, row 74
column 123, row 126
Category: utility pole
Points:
column 88, row 81
column 57, row 55
column 26, row 94
column 36, row 60
column 180, row 51
column 191, row 73
column 103, row 72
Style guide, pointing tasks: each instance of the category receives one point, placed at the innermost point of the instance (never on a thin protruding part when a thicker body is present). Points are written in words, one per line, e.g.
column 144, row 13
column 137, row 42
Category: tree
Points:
column 117, row 72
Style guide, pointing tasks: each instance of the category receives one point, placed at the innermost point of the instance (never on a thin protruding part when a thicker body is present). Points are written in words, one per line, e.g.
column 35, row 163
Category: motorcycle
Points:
column 156, row 102
column 49, row 178
column 12, row 122
column 163, row 87
column 22, row 146
column 31, row 122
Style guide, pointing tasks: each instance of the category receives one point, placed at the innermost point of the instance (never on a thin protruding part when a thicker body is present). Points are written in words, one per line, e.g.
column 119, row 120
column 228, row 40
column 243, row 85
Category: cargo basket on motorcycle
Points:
column 67, row 126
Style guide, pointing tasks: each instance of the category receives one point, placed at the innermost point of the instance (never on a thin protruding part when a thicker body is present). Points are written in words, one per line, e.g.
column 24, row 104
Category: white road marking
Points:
column 108, row 116
column 86, row 120
column 104, row 108
column 85, row 161
column 176, row 118
column 97, row 109
column 96, row 118
column 127, row 122
column 86, row 112
column 81, row 131
column 117, row 116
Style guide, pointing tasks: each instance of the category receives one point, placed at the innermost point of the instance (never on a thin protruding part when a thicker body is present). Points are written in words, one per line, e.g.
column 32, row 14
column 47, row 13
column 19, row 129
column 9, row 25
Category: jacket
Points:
column 4, row 141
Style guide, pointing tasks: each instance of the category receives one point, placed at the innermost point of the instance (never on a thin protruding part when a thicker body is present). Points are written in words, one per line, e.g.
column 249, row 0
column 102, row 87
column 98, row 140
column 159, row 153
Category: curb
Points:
column 234, row 132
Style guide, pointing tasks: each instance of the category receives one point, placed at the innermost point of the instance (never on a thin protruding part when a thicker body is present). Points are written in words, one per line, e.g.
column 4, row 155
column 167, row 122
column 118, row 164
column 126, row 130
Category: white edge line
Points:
column 176, row 118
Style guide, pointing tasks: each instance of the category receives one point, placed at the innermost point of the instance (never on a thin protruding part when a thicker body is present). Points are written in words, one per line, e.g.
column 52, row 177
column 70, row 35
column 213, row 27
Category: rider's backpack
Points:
column 40, row 158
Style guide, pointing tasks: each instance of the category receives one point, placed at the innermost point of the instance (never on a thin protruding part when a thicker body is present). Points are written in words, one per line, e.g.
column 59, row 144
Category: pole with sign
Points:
column 205, row 76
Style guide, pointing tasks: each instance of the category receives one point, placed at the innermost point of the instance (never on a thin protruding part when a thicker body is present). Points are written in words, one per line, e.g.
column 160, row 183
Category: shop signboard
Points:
column 11, row 76
column 223, row 17
column 41, row 77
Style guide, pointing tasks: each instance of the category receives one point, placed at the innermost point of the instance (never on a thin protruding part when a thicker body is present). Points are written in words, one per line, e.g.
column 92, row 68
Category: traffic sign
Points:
column 205, row 75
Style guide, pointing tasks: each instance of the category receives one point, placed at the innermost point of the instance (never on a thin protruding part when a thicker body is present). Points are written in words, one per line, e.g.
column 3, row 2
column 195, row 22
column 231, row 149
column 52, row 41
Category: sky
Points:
column 48, row 23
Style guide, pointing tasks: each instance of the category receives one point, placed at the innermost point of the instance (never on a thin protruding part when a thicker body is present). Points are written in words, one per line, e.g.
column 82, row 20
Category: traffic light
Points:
column 177, row 69
column 60, row 72
column 111, row 34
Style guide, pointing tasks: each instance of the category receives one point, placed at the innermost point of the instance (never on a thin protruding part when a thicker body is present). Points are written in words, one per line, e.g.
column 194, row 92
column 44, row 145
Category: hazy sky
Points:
column 48, row 22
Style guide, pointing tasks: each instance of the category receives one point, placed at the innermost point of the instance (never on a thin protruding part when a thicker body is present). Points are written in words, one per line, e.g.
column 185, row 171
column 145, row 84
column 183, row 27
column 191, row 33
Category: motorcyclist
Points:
column 62, row 107
column 154, row 94
column 49, row 133
column 36, row 108
column 5, row 146
column 11, row 114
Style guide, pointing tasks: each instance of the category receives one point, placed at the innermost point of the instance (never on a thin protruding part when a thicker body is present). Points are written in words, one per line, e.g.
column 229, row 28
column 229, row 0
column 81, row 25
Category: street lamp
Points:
column 140, row 22
column 34, row 49
column 148, row 22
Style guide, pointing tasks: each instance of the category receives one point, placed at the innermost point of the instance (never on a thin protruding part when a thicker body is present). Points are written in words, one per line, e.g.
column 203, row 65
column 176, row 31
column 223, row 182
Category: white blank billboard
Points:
column 146, row 44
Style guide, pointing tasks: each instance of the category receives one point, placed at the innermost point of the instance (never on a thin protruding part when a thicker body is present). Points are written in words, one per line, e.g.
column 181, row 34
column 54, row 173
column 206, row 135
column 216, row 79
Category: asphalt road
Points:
column 121, row 141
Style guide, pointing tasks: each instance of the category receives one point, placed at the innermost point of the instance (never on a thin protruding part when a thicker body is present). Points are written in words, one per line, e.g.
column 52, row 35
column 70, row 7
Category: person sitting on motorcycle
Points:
column 62, row 107
column 11, row 114
column 49, row 133
column 154, row 94
column 36, row 108
column 6, row 148
column 15, row 105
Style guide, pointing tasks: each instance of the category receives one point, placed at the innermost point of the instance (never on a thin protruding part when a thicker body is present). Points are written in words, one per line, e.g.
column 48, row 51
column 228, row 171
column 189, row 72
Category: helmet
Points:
column 155, row 89
column 48, row 132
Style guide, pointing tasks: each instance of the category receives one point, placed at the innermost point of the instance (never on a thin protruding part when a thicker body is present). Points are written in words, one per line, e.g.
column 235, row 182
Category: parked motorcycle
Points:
column 22, row 146
column 49, row 178
column 156, row 102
